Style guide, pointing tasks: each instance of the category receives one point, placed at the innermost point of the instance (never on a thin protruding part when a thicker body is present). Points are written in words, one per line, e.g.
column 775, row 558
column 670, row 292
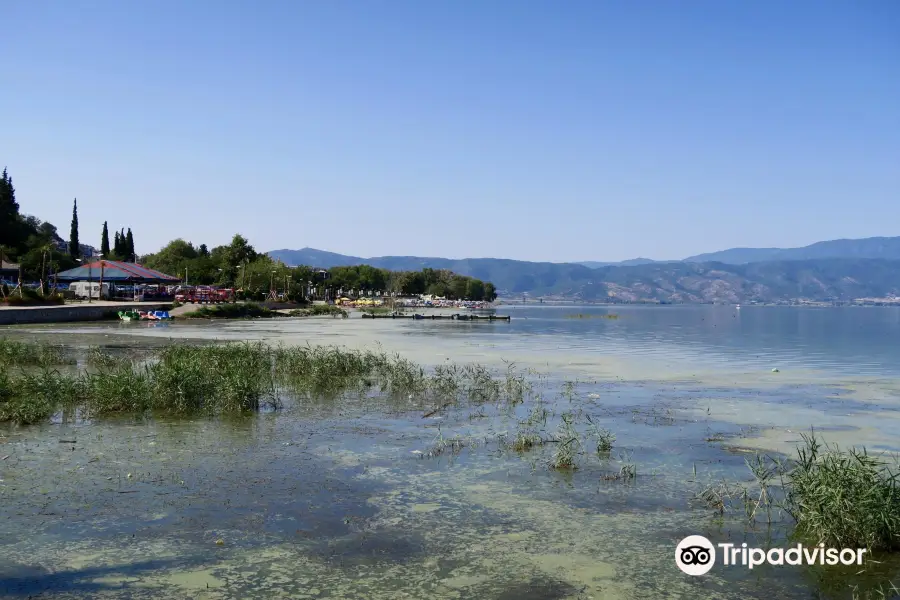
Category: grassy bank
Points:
column 318, row 310
column 241, row 310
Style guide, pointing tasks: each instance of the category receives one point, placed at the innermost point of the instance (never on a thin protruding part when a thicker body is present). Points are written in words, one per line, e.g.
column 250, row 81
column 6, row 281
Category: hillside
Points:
column 828, row 279
column 887, row 248
column 823, row 280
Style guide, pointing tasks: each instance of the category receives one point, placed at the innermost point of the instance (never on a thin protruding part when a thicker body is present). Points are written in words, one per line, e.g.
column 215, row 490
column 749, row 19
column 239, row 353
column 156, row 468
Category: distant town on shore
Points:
column 838, row 272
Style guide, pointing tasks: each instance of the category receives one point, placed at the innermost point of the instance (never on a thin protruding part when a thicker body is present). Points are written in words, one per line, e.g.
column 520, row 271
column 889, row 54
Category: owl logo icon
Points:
column 695, row 555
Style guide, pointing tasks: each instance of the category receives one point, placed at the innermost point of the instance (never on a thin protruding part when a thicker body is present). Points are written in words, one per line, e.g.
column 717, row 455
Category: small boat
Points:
column 129, row 315
column 417, row 316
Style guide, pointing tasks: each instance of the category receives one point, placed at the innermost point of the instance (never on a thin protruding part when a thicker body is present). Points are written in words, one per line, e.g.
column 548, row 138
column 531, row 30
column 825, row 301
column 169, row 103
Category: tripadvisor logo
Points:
column 696, row 555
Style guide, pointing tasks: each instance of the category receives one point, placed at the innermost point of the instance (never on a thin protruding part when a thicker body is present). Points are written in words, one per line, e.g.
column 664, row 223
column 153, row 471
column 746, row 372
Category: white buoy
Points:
column 775, row 370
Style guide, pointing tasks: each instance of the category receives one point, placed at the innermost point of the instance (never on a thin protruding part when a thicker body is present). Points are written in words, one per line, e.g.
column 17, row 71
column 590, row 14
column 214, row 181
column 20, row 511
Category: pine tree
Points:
column 74, row 246
column 10, row 233
column 129, row 242
column 104, row 241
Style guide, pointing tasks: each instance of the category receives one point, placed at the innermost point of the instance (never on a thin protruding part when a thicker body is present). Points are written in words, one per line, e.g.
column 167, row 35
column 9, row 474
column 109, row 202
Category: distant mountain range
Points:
column 837, row 270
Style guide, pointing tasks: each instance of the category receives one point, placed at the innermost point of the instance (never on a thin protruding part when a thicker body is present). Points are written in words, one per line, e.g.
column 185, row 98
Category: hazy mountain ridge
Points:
column 887, row 248
column 868, row 268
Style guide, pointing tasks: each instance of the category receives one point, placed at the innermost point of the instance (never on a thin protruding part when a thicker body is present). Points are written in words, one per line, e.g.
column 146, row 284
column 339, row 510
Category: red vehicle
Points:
column 204, row 295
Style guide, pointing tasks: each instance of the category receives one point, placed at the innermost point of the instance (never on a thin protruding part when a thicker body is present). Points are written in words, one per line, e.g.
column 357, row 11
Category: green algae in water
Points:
column 326, row 500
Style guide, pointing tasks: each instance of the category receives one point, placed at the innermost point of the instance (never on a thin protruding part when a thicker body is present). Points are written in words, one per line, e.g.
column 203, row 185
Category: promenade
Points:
column 76, row 311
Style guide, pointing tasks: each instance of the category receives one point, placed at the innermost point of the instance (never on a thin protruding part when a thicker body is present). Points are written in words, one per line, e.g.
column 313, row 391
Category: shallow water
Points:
column 338, row 500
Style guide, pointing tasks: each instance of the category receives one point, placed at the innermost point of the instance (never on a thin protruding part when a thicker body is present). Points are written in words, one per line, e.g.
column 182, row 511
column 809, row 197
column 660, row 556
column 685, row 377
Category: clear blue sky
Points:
column 562, row 131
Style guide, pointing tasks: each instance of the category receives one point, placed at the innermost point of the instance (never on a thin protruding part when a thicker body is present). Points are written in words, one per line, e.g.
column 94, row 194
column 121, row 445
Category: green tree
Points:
column 173, row 258
column 74, row 245
column 11, row 229
column 490, row 292
column 129, row 246
column 439, row 288
column 104, row 241
column 475, row 289
column 458, row 287
column 239, row 253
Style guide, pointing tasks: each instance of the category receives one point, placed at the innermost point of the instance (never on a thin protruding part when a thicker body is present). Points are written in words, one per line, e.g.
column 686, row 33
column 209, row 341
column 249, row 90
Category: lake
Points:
column 339, row 498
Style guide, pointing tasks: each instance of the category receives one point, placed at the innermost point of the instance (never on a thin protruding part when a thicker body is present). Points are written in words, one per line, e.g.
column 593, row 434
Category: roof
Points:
column 114, row 270
column 8, row 266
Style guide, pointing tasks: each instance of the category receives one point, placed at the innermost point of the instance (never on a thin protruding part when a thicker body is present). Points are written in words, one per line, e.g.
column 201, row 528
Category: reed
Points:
column 33, row 396
column 317, row 310
column 27, row 354
column 240, row 310
column 843, row 498
column 238, row 377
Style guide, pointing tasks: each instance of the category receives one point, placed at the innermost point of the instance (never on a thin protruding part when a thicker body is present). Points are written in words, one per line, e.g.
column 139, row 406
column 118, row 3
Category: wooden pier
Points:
column 439, row 317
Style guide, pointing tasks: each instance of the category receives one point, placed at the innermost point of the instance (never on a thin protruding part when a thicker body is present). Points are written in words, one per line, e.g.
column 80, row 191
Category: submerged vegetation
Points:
column 840, row 498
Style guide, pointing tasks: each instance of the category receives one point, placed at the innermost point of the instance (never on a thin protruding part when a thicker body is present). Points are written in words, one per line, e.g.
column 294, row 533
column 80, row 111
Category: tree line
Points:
column 37, row 246
column 239, row 265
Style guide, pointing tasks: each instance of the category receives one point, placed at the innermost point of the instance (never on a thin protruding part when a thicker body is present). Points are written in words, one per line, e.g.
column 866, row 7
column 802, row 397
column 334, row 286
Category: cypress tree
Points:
column 9, row 212
column 104, row 241
column 74, row 245
column 117, row 245
column 129, row 242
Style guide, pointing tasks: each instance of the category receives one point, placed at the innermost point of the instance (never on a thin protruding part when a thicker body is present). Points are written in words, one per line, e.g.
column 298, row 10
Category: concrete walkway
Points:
column 73, row 311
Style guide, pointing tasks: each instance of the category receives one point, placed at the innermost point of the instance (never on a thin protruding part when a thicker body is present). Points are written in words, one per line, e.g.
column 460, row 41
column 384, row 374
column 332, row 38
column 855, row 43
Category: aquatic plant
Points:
column 528, row 434
column 15, row 353
column 241, row 310
column 843, row 498
column 568, row 444
column 882, row 592
column 603, row 437
column 383, row 310
column 316, row 310
column 118, row 388
column 452, row 445
column 98, row 357
column 219, row 378
column 33, row 396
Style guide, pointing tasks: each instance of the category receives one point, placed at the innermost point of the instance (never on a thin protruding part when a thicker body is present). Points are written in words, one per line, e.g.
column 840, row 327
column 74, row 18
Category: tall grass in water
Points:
column 227, row 378
column 243, row 310
column 33, row 396
column 317, row 310
column 843, row 498
column 186, row 379
column 13, row 353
